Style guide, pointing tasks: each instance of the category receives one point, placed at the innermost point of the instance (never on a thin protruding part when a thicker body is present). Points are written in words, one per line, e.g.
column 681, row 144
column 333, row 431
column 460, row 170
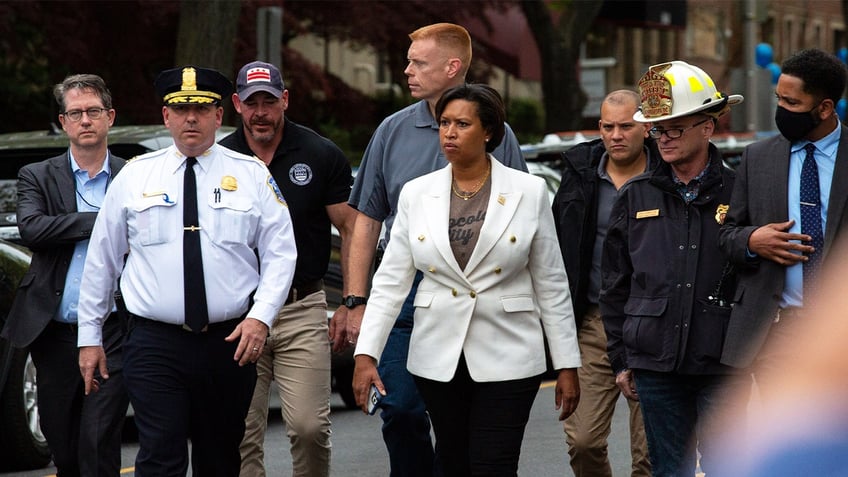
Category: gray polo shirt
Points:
column 406, row 146
column 607, row 194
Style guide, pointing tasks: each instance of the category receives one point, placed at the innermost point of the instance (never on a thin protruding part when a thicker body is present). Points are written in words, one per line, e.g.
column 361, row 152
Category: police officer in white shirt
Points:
column 198, row 318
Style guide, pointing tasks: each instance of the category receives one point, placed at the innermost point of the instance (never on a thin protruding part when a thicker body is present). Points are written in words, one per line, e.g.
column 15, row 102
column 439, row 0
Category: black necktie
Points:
column 196, row 312
column 811, row 217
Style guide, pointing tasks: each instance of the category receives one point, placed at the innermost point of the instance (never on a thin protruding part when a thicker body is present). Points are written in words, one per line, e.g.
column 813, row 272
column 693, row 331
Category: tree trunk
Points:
column 206, row 35
column 559, row 51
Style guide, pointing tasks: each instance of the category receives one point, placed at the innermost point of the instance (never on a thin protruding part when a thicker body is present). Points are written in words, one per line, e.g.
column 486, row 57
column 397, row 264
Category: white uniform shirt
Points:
column 245, row 216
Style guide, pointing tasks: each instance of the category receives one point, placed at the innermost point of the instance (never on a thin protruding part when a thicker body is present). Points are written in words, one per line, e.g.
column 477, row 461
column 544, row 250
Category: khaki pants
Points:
column 588, row 428
column 297, row 357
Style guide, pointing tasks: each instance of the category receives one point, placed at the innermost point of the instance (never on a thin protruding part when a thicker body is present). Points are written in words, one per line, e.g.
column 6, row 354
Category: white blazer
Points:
column 513, row 287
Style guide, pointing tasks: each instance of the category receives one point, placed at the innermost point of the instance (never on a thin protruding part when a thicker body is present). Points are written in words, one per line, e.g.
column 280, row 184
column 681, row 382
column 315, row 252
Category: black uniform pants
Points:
column 186, row 386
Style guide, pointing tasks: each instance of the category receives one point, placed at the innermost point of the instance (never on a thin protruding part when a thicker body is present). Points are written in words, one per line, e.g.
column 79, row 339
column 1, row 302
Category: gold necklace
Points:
column 467, row 195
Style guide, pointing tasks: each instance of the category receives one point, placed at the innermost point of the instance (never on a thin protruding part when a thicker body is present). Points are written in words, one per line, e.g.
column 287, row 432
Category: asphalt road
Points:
column 358, row 449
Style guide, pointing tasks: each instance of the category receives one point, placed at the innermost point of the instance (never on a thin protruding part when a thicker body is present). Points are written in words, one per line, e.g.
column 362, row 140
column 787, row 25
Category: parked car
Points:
column 22, row 445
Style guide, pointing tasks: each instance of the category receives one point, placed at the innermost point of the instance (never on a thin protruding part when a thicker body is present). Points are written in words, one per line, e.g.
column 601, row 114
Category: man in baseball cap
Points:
column 315, row 177
column 259, row 76
column 666, row 291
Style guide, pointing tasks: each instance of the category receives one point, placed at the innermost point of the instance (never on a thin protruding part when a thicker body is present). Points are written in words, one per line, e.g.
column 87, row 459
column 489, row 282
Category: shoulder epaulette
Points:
column 237, row 155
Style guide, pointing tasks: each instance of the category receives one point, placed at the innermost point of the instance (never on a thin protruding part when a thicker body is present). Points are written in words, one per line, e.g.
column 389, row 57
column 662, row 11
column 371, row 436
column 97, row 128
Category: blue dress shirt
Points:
column 826, row 148
column 89, row 193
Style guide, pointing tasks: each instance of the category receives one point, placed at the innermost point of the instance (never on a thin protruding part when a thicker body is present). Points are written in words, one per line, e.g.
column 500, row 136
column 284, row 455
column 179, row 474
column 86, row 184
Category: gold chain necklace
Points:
column 467, row 195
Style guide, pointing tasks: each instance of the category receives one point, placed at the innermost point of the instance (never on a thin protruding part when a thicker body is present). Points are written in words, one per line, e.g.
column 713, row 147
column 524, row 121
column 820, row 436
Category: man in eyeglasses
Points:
column 58, row 201
column 665, row 291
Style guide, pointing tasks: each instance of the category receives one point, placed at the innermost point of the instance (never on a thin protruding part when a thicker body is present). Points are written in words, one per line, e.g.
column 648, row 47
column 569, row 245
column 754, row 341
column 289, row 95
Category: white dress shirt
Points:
column 245, row 228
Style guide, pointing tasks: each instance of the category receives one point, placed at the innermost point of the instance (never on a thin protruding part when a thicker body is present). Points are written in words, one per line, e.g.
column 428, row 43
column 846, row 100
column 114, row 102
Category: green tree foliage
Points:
column 384, row 24
column 128, row 42
column 41, row 42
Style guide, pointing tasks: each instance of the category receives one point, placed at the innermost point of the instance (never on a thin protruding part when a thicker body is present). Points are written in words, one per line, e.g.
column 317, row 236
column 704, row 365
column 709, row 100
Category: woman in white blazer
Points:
column 494, row 287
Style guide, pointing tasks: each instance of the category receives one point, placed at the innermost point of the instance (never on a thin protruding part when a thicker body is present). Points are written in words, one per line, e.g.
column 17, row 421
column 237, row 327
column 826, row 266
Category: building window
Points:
column 767, row 31
column 705, row 33
column 789, row 37
column 817, row 36
column 629, row 55
column 838, row 36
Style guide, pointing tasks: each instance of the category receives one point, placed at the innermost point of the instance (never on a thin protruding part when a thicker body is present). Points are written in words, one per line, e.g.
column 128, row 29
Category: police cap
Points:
column 192, row 85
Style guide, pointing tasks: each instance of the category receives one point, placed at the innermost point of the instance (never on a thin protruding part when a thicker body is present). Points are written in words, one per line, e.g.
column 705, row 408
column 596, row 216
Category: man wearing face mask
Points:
column 787, row 209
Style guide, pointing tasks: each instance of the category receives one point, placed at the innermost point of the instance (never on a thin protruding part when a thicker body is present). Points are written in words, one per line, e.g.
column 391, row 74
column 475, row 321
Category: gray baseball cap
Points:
column 259, row 76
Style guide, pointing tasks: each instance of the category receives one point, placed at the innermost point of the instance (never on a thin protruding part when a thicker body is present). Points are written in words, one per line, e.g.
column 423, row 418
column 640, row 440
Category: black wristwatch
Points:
column 352, row 301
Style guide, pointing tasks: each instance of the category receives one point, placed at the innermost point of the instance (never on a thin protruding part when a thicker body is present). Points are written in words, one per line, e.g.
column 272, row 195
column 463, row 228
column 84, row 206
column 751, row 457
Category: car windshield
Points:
column 7, row 195
column 8, row 200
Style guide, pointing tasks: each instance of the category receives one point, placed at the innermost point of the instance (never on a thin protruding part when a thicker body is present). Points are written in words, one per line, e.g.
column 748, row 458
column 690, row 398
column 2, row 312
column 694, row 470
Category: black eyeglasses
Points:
column 76, row 114
column 673, row 133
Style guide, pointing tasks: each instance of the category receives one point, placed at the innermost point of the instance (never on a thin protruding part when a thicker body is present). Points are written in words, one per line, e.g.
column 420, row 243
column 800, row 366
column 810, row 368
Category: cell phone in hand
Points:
column 374, row 398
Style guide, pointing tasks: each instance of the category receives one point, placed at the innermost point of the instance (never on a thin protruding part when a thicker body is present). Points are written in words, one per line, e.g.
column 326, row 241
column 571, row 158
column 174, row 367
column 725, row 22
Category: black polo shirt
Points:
column 312, row 173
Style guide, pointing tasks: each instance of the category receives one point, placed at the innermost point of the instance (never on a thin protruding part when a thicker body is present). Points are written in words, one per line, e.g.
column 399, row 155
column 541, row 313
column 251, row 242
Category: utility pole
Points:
column 269, row 34
column 752, row 92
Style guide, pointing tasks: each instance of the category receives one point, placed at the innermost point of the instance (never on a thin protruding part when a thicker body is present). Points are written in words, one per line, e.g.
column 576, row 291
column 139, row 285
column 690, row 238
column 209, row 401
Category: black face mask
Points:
column 794, row 126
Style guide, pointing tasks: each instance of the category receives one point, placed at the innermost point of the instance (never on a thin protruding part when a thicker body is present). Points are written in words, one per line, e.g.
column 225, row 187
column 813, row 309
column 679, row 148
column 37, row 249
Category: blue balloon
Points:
column 843, row 54
column 763, row 54
column 774, row 68
column 841, row 105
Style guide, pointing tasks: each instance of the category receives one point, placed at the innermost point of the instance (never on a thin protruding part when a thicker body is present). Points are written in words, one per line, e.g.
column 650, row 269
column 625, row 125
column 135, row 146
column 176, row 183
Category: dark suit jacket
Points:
column 759, row 198
column 50, row 226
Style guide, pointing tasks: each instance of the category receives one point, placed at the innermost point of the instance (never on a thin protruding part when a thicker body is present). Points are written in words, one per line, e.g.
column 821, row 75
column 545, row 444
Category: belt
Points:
column 789, row 312
column 304, row 290
column 210, row 327
column 74, row 326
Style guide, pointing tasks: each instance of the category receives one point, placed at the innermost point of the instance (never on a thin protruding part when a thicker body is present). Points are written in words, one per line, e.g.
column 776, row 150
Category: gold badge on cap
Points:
column 229, row 183
column 655, row 91
column 189, row 79
column 721, row 213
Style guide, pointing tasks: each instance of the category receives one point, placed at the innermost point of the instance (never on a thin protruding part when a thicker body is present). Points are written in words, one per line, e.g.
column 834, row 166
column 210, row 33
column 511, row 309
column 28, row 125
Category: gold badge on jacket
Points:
column 721, row 213
column 229, row 183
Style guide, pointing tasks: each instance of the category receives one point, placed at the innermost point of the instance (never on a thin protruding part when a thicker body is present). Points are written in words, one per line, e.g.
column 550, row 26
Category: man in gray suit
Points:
column 763, row 234
column 58, row 200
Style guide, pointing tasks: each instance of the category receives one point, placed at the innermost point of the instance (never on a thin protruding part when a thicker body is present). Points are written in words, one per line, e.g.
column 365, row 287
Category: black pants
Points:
column 83, row 432
column 185, row 386
column 479, row 426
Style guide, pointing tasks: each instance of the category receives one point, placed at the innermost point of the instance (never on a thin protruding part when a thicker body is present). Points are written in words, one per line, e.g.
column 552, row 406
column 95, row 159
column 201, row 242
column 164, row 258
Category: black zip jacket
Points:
column 661, row 263
column 575, row 209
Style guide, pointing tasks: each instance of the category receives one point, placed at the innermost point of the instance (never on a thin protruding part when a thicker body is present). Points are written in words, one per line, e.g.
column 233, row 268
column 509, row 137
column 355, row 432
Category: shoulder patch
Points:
column 276, row 189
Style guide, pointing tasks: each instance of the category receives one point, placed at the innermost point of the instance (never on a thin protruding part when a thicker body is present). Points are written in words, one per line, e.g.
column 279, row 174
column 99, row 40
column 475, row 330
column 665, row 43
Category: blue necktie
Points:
column 811, row 223
column 196, row 311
